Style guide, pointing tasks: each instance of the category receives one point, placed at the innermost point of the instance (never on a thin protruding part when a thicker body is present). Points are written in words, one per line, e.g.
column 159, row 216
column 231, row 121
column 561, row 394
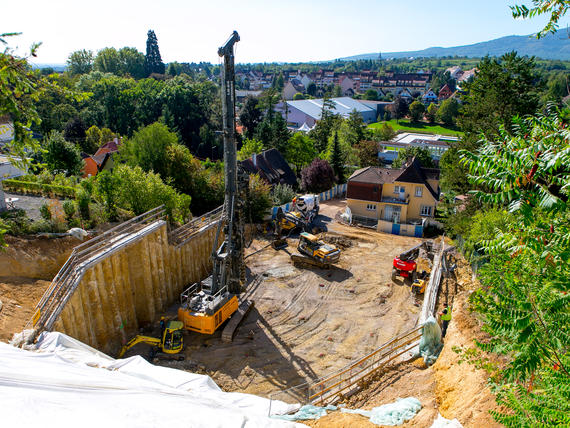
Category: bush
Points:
column 68, row 209
column 83, row 200
column 45, row 212
column 259, row 199
column 39, row 189
column 140, row 192
column 282, row 194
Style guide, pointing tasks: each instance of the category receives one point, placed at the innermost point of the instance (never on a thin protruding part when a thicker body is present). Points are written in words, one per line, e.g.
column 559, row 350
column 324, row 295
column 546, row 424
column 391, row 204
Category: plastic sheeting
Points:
column 391, row 414
column 66, row 383
column 307, row 412
column 430, row 343
column 441, row 422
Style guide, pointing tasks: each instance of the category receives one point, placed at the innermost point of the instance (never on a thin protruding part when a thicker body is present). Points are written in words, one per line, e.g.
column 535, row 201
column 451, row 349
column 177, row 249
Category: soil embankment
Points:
column 27, row 267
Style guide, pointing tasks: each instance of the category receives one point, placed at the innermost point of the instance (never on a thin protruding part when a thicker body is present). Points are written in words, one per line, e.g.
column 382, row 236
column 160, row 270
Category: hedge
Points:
column 40, row 189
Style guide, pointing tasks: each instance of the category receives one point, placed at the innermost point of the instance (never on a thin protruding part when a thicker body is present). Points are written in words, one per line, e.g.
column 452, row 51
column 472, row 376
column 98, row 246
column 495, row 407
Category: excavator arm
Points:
column 139, row 339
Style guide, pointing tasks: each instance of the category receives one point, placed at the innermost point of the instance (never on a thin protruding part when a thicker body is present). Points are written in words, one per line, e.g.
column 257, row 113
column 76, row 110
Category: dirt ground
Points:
column 308, row 322
column 27, row 267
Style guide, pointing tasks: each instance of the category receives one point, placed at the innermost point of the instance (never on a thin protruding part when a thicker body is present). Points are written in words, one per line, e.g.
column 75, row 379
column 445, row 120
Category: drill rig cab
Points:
column 405, row 264
column 208, row 303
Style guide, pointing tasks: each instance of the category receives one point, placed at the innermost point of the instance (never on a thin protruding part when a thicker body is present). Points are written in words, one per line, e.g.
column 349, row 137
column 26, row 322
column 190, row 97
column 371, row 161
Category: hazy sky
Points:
column 293, row 30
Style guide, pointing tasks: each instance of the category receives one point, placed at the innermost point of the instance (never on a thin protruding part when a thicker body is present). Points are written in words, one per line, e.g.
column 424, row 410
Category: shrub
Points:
column 45, row 212
column 68, row 209
column 33, row 188
column 259, row 200
column 282, row 194
column 83, row 200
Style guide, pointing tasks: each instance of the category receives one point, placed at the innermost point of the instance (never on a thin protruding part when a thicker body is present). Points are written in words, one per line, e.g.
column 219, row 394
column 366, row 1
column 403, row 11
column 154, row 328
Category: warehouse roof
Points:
column 342, row 106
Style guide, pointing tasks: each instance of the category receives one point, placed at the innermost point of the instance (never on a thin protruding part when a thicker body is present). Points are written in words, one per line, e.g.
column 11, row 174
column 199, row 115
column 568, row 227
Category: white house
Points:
column 429, row 97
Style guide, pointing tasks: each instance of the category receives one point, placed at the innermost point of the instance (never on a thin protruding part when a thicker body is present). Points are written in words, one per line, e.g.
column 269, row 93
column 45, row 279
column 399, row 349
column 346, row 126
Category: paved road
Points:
column 31, row 204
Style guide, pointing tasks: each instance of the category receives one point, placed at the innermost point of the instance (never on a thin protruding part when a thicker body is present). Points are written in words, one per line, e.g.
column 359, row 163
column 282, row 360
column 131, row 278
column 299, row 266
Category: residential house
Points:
column 429, row 97
column 270, row 166
column 395, row 200
column 445, row 93
column 347, row 85
column 406, row 95
column 102, row 160
column 291, row 88
column 306, row 80
column 455, row 72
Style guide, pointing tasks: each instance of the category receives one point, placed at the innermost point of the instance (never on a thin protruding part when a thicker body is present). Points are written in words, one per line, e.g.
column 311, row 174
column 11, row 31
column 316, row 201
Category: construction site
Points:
column 302, row 310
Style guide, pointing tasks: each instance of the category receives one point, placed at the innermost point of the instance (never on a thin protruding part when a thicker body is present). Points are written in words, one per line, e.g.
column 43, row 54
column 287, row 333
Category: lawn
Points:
column 423, row 127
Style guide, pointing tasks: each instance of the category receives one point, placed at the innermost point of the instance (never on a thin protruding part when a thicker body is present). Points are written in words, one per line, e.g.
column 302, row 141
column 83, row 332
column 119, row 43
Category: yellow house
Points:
column 395, row 200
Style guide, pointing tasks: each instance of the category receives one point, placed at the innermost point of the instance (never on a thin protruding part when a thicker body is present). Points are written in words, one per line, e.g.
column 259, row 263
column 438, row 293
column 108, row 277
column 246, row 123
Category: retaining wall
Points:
column 124, row 288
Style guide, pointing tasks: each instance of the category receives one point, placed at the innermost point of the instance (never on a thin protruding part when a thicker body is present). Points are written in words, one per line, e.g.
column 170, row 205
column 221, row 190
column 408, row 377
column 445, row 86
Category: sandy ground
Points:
column 19, row 296
column 309, row 322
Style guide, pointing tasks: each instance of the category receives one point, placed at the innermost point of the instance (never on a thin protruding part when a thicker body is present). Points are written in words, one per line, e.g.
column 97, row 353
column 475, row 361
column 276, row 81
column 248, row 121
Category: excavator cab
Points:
column 172, row 341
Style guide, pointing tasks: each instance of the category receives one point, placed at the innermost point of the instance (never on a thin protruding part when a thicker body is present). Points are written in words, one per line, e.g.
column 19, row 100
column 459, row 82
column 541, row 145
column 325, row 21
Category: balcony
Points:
column 390, row 200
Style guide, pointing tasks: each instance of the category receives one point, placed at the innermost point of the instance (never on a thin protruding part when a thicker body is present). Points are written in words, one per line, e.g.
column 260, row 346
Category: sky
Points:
column 270, row 30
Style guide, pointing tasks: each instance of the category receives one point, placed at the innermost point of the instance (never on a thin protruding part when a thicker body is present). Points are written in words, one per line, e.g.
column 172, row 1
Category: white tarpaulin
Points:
column 66, row 383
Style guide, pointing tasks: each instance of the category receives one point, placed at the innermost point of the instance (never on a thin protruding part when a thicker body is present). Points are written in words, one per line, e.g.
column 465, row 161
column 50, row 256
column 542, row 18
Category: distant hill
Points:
column 553, row 46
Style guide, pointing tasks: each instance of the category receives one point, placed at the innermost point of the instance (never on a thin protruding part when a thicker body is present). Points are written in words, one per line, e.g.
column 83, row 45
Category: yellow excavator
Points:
column 171, row 341
column 314, row 252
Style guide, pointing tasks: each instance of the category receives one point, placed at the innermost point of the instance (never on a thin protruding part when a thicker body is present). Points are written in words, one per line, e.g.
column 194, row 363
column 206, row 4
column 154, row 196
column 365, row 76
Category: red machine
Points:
column 405, row 264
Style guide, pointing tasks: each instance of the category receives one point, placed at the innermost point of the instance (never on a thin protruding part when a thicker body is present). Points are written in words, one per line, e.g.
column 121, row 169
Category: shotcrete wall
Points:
column 128, row 288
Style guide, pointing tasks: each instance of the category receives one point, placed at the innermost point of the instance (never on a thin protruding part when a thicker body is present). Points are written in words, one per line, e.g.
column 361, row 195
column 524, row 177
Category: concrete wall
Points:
column 129, row 287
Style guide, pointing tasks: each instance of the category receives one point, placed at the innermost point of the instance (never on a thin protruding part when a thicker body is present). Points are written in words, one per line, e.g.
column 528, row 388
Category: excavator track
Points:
column 299, row 259
column 236, row 319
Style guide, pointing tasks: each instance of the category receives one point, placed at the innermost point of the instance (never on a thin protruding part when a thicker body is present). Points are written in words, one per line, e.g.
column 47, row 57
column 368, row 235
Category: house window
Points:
column 399, row 189
column 370, row 207
column 419, row 191
column 425, row 210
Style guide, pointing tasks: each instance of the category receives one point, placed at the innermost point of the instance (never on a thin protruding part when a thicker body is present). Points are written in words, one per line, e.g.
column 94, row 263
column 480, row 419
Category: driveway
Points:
column 30, row 204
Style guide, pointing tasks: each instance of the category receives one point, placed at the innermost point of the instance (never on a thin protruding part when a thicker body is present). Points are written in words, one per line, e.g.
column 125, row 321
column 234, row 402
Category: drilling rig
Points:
column 207, row 304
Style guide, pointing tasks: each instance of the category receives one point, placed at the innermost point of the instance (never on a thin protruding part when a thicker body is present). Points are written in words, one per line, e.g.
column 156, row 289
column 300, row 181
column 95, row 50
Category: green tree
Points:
column 417, row 110
column 503, row 88
column 141, row 191
column 153, row 61
column 19, row 86
column 250, row 115
column 367, row 153
column 385, row 132
column 107, row 188
column 108, row 61
column 80, row 62
column 92, row 139
column 400, row 108
column 312, row 89
column 453, row 172
column 62, row 156
column 421, row 154
column 300, row 150
column 132, row 62
column 371, row 95
column 337, row 160
column 249, row 147
column 448, row 111
column 431, row 113
column 298, row 96
column 525, row 299
column 355, row 126
column 75, row 132
column 148, row 148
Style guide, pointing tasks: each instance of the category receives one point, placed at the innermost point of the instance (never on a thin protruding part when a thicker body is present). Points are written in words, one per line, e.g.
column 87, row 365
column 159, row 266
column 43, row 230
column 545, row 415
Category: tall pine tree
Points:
column 153, row 62
column 336, row 159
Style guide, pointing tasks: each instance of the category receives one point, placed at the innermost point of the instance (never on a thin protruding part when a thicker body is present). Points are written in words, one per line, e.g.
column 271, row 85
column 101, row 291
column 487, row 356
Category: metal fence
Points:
column 67, row 279
column 329, row 389
column 183, row 234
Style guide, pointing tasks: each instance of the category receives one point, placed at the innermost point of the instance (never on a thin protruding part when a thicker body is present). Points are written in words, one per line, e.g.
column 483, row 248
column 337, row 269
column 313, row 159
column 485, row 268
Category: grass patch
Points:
column 422, row 127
